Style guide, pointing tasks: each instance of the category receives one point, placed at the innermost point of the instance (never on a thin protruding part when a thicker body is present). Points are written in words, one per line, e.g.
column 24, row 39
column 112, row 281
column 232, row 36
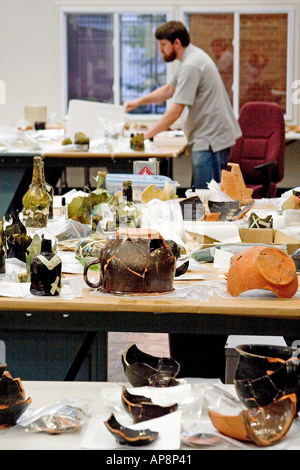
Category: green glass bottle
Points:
column 36, row 200
column 128, row 213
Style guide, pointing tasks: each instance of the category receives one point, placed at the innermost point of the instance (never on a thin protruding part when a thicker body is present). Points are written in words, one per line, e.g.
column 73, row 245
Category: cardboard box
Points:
column 269, row 236
column 256, row 235
column 281, row 238
column 247, row 235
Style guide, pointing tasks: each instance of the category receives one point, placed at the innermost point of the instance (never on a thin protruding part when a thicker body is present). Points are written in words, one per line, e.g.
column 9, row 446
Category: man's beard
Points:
column 170, row 57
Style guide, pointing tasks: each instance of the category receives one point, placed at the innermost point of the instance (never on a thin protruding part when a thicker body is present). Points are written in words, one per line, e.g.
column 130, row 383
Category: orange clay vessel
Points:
column 262, row 267
column 264, row 426
column 232, row 183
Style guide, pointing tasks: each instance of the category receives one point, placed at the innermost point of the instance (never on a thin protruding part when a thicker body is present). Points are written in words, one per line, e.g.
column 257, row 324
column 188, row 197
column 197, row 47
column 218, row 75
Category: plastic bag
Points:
column 12, row 138
column 166, row 217
column 58, row 417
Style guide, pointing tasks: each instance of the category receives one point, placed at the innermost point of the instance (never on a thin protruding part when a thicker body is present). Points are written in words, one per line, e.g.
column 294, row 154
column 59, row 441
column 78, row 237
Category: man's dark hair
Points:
column 173, row 30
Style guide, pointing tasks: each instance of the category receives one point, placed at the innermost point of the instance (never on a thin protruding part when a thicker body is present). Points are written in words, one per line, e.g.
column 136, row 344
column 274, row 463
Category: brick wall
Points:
column 263, row 51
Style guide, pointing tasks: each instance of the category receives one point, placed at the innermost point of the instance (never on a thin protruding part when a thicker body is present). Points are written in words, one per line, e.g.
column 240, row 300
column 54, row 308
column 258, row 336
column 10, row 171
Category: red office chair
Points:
column 260, row 150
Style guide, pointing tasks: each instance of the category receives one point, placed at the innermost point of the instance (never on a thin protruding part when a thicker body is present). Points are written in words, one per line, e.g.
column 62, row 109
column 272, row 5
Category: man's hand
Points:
column 130, row 105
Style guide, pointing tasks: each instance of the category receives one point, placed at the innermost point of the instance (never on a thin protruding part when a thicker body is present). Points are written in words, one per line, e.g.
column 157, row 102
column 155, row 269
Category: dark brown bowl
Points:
column 143, row 369
column 265, row 373
column 141, row 408
column 129, row 436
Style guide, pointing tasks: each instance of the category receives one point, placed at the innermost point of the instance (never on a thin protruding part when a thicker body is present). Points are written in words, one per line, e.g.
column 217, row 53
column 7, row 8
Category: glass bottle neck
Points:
column 37, row 174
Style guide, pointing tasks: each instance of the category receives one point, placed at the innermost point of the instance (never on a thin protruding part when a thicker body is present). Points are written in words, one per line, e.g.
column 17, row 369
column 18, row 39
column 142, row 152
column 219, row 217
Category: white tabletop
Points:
column 104, row 399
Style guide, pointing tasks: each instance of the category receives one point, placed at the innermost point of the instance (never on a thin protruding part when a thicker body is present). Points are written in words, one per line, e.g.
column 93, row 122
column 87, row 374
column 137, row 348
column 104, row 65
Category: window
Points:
column 114, row 57
column 90, row 57
column 252, row 52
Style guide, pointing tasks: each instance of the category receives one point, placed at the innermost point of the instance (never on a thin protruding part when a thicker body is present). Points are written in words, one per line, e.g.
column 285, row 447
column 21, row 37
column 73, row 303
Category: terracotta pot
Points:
column 262, row 267
column 135, row 261
column 265, row 373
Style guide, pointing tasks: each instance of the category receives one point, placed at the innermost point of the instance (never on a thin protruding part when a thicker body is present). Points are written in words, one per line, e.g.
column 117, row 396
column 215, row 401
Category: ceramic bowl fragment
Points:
column 142, row 408
column 265, row 426
column 12, row 399
column 265, row 373
column 260, row 267
column 144, row 369
column 131, row 437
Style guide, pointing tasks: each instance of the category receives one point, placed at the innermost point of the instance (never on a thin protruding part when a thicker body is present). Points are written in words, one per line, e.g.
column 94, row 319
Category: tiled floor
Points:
column 156, row 344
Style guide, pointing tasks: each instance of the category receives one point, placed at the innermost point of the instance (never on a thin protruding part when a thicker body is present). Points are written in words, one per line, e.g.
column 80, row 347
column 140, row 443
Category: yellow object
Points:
column 165, row 194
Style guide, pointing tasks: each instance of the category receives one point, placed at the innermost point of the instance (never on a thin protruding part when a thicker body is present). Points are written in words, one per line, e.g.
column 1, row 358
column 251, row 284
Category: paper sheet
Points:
column 225, row 232
column 98, row 437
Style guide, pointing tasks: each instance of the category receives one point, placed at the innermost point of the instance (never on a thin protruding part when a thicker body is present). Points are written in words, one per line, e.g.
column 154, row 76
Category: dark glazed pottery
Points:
column 143, row 369
column 131, row 263
column 12, row 399
column 142, row 409
column 129, row 436
column 227, row 209
column 266, row 373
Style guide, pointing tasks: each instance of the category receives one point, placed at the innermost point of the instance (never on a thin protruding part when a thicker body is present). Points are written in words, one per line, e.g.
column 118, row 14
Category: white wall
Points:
column 29, row 57
column 30, row 46
column 31, row 51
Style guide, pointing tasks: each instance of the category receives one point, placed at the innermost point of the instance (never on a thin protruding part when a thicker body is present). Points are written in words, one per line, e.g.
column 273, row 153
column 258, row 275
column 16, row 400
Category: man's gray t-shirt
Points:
column 210, row 121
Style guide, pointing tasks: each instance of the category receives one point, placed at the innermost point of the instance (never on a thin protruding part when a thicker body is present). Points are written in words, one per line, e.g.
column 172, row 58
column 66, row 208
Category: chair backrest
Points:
column 263, row 140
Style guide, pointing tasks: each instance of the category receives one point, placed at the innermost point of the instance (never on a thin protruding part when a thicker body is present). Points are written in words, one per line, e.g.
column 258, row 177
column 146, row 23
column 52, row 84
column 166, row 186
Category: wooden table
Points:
column 16, row 167
column 80, row 326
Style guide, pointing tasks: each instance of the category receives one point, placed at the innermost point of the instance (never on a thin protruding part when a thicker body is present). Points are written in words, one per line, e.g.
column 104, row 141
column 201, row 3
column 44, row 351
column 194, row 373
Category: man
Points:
column 210, row 127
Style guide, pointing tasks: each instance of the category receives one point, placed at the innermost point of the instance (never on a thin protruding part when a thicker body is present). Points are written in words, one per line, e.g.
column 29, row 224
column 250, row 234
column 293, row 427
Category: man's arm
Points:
column 168, row 118
column 157, row 96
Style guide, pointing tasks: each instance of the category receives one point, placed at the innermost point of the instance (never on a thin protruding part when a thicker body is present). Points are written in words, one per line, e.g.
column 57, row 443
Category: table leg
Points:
column 96, row 341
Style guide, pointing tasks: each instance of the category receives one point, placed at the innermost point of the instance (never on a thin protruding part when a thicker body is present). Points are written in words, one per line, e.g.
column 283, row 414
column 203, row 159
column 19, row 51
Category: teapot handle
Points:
column 85, row 275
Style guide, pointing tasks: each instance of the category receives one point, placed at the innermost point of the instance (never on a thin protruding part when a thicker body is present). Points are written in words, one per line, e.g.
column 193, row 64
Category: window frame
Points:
column 116, row 12
column 240, row 10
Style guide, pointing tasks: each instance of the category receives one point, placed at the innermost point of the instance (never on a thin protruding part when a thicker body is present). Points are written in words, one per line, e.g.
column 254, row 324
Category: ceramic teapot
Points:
column 135, row 261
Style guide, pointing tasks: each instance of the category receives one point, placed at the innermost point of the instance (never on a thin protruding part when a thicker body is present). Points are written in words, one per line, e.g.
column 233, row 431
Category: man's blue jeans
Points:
column 207, row 165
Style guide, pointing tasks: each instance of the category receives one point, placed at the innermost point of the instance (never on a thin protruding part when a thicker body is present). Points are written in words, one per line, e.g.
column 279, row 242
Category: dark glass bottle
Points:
column 16, row 238
column 45, row 272
column 128, row 213
column 36, row 200
column 127, row 191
